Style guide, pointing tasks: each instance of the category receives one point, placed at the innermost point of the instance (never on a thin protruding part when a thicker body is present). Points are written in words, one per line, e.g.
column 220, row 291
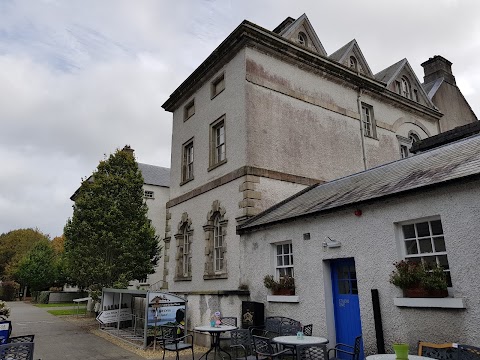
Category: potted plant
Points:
column 418, row 280
column 401, row 350
column 284, row 286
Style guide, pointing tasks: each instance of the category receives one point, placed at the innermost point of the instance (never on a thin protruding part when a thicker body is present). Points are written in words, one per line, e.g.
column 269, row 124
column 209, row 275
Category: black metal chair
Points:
column 263, row 347
column 353, row 351
column 228, row 320
column 468, row 352
column 308, row 330
column 21, row 339
column 171, row 341
column 242, row 346
column 289, row 329
column 18, row 351
column 312, row 352
column 437, row 351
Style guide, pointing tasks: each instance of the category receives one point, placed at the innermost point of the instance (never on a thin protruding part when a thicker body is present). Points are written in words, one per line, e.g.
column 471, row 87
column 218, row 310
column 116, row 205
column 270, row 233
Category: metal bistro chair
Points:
column 18, row 351
column 312, row 352
column 437, row 351
column 228, row 320
column 308, row 330
column 353, row 351
column 21, row 339
column 468, row 352
column 242, row 346
column 170, row 341
column 263, row 347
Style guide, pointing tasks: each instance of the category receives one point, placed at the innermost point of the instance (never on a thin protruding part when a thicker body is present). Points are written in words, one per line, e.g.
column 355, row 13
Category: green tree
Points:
column 37, row 268
column 109, row 236
column 14, row 245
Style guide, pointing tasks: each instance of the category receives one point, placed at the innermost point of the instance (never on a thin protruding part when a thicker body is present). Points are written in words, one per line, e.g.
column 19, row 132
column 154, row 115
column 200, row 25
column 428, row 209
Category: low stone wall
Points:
column 62, row 296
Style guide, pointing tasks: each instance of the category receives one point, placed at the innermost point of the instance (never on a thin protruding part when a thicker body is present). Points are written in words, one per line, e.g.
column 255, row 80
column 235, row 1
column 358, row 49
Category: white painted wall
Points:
column 371, row 241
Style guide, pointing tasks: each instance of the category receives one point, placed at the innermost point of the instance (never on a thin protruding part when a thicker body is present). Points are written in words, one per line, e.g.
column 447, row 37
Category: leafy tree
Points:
column 14, row 245
column 37, row 268
column 109, row 236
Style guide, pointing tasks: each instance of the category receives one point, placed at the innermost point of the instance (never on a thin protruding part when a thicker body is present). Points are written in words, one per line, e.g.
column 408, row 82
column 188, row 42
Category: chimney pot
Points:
column 438, row 67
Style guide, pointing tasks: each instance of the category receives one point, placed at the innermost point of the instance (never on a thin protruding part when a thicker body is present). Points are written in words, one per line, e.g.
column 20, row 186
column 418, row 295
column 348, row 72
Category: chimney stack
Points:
column 438, row 67
column 128, row 149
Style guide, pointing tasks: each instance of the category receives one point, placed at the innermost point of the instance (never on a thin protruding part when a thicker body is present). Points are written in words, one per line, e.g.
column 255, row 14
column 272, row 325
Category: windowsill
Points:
column 447, row 303
column 283, row 298
column 215, row 276
column 213, row 96
column 188, row 117
column 183, row 278
column 186, row 181
column 371, row 137
column 217, row 165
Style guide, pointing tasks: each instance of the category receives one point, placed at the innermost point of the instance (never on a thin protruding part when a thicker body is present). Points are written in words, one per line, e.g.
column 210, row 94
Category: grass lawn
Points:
column 81, row 311
column 56, row 305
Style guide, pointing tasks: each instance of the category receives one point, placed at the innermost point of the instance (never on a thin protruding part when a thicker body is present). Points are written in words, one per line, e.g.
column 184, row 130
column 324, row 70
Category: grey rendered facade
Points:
column 266, row 115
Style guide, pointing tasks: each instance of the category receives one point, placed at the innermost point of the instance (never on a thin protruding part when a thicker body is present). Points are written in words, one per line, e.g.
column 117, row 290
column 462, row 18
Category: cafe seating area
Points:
column 15, row 347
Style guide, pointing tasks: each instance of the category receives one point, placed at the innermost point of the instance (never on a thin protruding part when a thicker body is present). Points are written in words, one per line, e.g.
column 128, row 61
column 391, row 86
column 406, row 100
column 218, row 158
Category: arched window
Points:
column 302, row 38
column 413, row 138
column 406, row 88
column 216, row 244
column 353, row 63
column 184, row 249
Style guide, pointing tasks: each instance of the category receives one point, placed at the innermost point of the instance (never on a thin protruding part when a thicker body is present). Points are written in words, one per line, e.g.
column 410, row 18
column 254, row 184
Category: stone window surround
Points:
column 406, row 143
column 189, row 110
column 371, row 122
column 213, row 143
column 214, row 90
column 184, row 227
column 185, row 164
column 210, row 273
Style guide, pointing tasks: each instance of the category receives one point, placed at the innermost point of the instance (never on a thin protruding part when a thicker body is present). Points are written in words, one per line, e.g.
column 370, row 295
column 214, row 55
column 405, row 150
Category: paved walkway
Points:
column 57, row 339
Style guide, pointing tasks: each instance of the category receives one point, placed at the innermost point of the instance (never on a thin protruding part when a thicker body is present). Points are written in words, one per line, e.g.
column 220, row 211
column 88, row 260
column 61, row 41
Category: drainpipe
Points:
column 359, row 104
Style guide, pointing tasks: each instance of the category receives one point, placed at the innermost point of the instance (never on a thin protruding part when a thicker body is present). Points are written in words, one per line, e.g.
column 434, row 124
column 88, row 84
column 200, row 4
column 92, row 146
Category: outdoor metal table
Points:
column 306, row 340
column 393, row 357
column 215, row 338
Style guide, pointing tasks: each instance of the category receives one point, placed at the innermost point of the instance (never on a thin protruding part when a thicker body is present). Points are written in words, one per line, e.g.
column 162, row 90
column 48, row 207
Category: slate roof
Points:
column 155, row 175
column 432, row 87
column 390, row 72
column 449, row 162
column 337, row 55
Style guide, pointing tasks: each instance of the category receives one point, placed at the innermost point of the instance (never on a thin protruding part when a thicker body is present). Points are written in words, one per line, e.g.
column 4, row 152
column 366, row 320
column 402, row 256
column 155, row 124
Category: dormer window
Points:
column 302, row 38
column 353, row 63
column 406, row 88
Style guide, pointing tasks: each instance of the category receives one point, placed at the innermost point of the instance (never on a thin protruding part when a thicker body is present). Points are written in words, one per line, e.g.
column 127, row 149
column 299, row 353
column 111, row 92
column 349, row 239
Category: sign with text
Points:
column 165, row 309
column 112, row 316
column 4, row 331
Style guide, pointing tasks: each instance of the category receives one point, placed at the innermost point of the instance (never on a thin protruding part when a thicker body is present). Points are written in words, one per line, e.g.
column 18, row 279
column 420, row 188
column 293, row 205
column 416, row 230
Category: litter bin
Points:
column 253, row 314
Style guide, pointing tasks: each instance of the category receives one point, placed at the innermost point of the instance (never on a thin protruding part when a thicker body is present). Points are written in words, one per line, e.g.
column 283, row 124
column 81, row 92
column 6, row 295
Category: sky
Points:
column 82, row 78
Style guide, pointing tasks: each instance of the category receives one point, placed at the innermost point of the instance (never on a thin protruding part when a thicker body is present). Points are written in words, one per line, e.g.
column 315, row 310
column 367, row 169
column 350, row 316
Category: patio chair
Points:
column 21, row 339
column 20, row 351
column 228, row 320
column 289, row 329
column 242, row 346
column 312, row 352
column 437, row 351
column 468, row 352
column 352, row 351
column 263, row 348
column 170, row 341
column 308, row 330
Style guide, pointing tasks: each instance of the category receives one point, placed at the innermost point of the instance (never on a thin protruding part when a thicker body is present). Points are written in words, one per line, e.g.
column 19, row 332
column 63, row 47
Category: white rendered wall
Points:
column 371, row 241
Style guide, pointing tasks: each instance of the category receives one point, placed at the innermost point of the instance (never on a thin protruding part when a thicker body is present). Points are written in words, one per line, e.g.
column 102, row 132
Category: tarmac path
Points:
column 58, row 339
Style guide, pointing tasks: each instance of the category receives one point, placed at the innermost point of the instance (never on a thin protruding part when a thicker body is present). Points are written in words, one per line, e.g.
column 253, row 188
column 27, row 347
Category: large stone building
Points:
column 267, row 114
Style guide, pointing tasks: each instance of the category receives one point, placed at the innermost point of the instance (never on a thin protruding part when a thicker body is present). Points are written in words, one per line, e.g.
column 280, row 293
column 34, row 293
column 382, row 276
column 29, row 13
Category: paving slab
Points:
column 57, row 339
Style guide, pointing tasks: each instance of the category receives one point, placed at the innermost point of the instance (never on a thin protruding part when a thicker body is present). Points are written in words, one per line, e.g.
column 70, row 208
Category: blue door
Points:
column 345, row 303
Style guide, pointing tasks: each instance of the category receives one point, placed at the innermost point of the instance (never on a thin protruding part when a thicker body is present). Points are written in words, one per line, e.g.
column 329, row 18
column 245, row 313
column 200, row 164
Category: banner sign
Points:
column 4, row 331
column 165, row 309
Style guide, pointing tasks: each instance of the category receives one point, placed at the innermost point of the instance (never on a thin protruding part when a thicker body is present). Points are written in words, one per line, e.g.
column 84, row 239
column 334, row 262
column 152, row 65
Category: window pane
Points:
column 279, row 261
column 425, row 245
column 439, row 244
column 344, row 287
column 279, row 250
column 286, row 260
column 443, row 261
column 422, row 229
column 354, row 287
column 411, row 247
column 430, row 260
column 408, row 231
column 353, row 274
column 437, row 227
column 286, row 248
column 449, row 278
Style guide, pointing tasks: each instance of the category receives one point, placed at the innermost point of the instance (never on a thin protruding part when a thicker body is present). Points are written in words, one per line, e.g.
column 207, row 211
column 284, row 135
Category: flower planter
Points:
column 424, row 293
column 283, row 292
column 401, row 351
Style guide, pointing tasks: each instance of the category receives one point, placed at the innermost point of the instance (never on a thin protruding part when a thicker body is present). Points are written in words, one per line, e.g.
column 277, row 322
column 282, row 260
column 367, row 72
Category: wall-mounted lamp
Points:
column 331, row 244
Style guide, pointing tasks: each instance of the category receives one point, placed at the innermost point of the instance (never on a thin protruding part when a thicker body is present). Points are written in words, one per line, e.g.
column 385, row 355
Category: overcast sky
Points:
column 80, row 78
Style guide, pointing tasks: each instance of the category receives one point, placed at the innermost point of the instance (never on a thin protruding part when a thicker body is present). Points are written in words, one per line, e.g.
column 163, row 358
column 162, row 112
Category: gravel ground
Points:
column 91, row 325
